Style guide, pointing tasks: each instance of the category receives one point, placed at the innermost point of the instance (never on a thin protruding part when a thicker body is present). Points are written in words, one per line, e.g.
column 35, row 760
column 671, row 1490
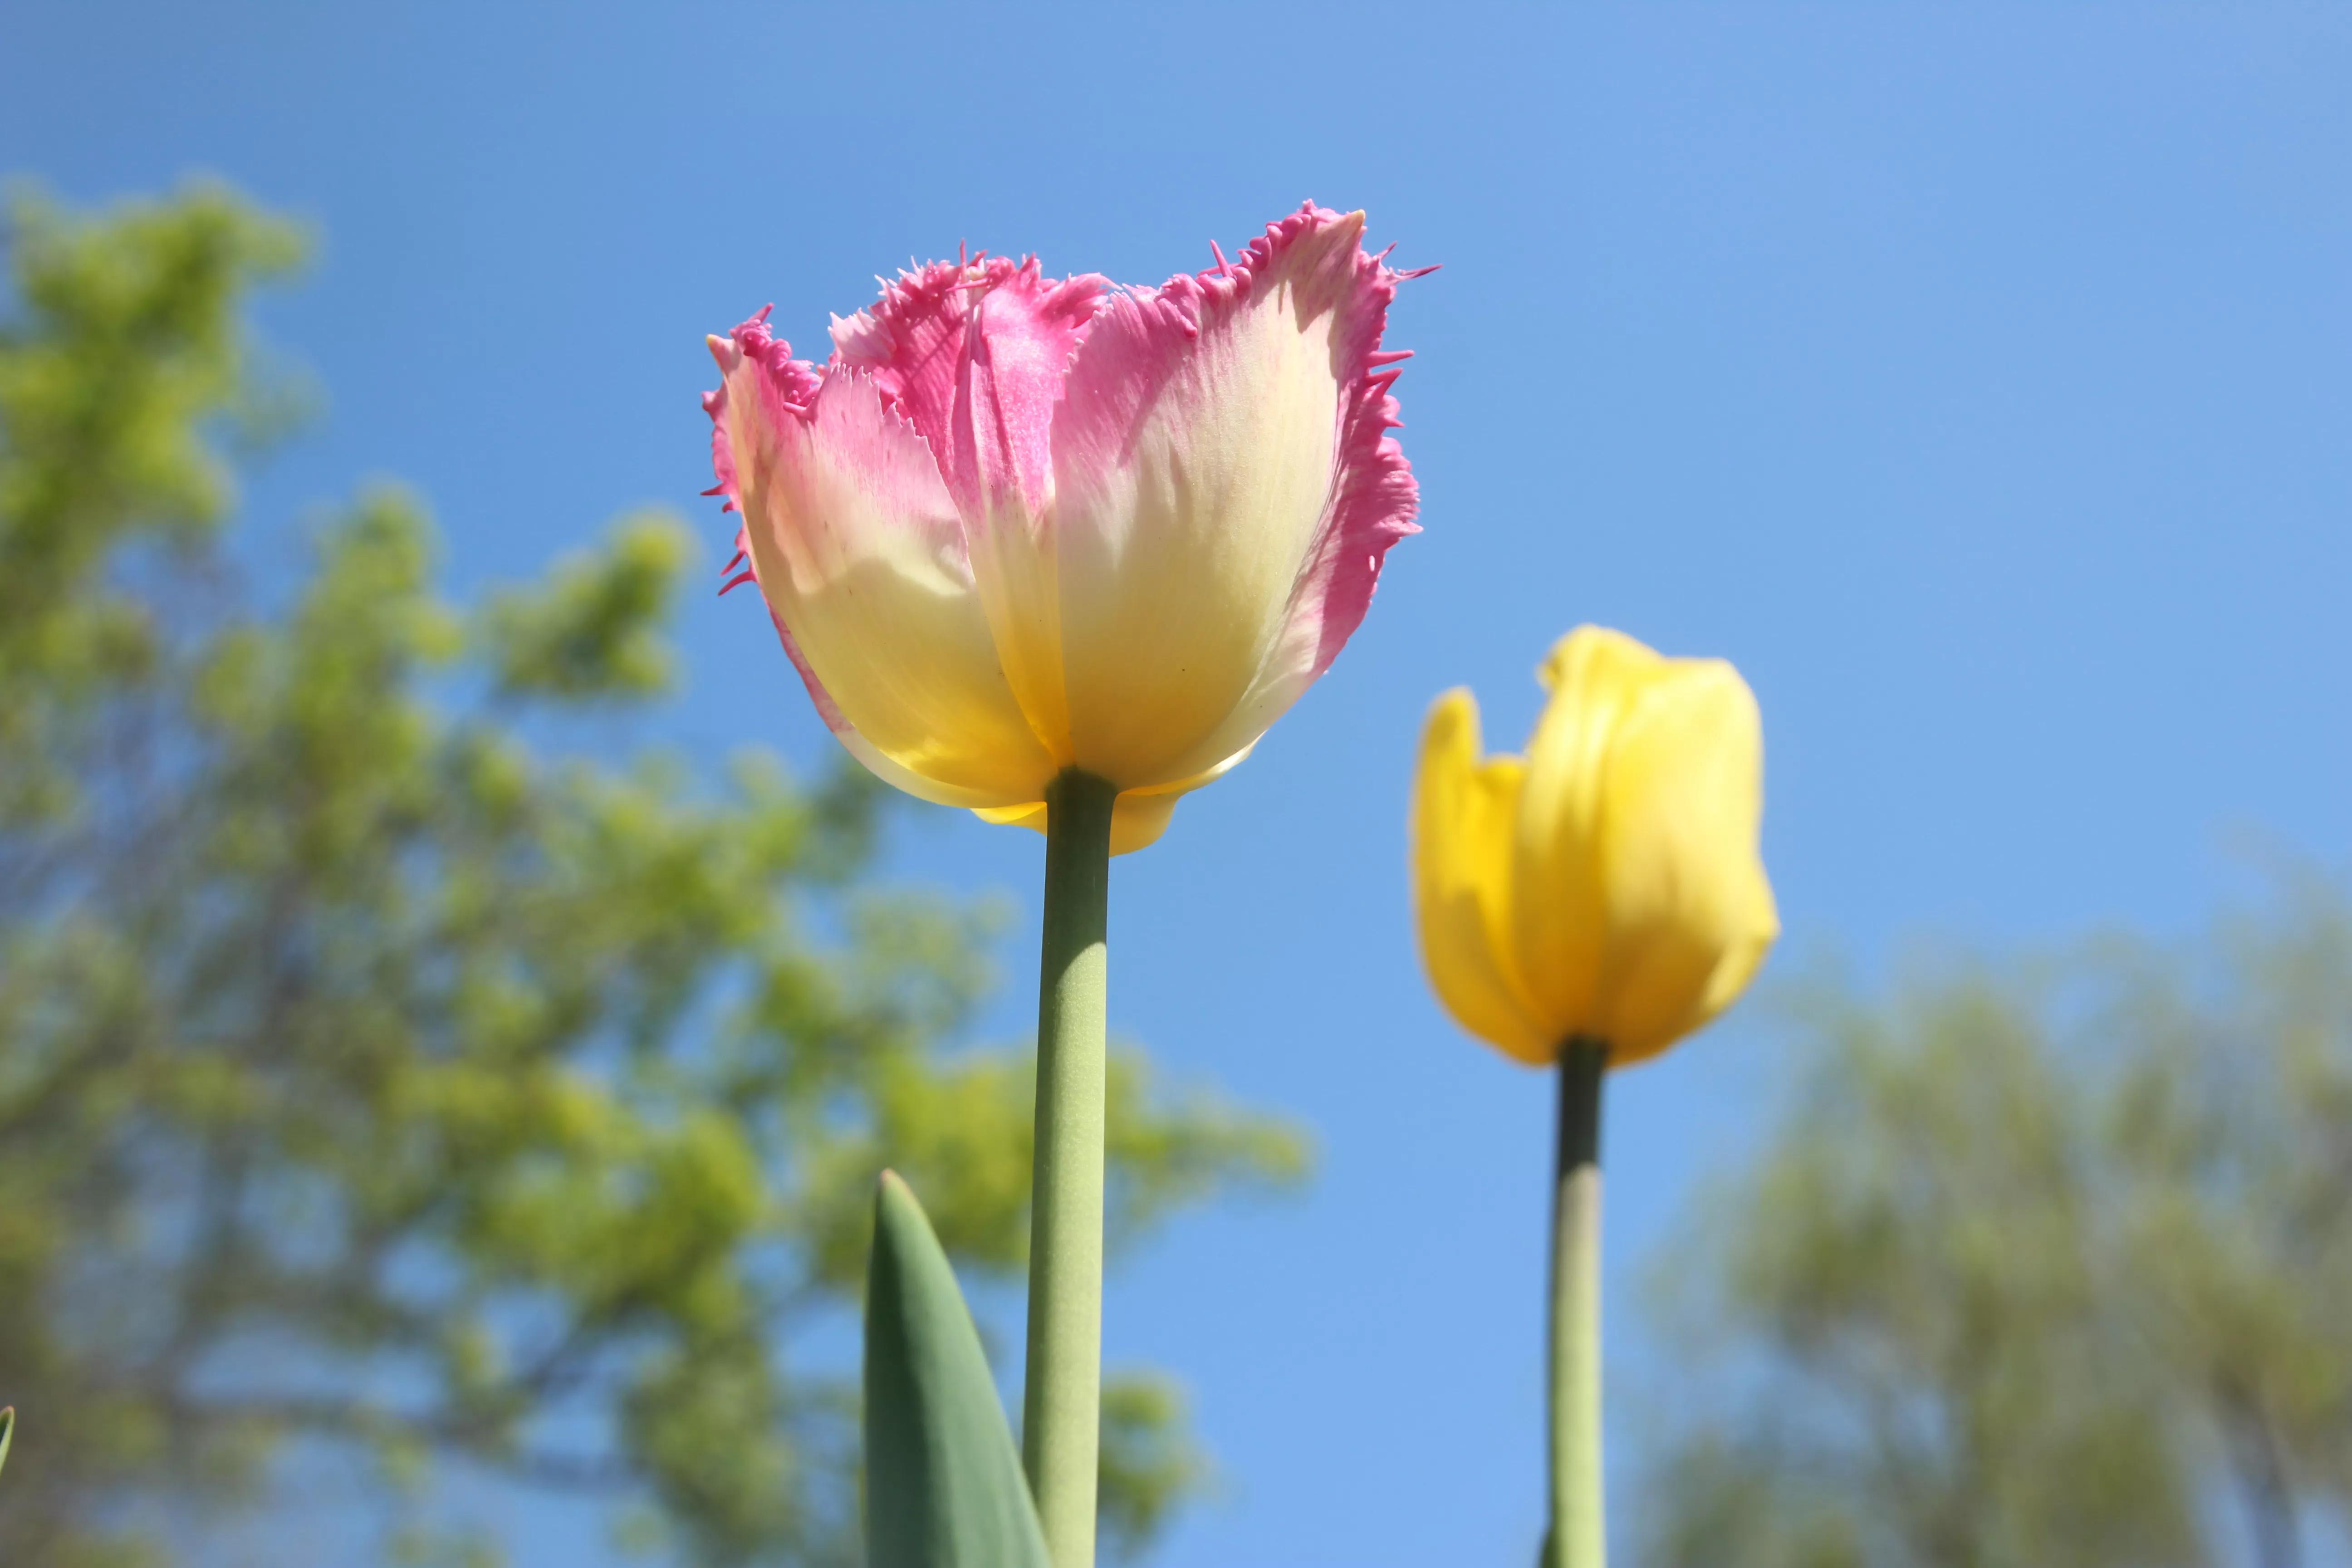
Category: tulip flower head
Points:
column 1019, row 524
column 1608, row 885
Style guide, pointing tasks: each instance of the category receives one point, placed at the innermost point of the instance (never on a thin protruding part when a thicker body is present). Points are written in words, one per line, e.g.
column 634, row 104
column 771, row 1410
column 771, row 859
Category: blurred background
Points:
column 453, row 1000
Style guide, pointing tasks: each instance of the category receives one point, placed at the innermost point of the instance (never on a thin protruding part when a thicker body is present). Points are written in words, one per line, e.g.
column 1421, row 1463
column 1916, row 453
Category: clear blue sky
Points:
column 1977, row 378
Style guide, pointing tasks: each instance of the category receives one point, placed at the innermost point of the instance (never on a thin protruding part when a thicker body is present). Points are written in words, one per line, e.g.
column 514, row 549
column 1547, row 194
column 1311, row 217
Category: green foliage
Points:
column 943, row 1483
column 377, row 1080
column 1718, row 1502
column 593, row 628
column 1149, row 1463
column 2037, row 1267
column 2230, row 1133
column 122, row 348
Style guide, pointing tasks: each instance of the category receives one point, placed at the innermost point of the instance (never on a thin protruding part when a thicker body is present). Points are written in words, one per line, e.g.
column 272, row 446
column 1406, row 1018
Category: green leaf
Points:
column 7, row 1431
column 943, row 1483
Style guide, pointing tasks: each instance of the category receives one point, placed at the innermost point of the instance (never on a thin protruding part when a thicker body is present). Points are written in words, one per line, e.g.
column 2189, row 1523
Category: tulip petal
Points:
column 859, row 552
column 1138, row 817
column 1223, row 495
column 1463, row 809
column 974, row 354
column 794, row 382
column 1136, row 821
column 1562, row 915
column 1691, row 913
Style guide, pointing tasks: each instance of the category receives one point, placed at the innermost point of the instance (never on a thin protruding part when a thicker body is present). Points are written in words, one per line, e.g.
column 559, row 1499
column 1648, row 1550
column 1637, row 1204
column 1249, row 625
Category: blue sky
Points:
column 1978, row 379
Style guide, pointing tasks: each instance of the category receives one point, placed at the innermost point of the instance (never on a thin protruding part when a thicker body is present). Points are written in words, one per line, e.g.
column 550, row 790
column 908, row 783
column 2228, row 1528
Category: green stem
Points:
column 1061, row 1421
column 1576, row 1539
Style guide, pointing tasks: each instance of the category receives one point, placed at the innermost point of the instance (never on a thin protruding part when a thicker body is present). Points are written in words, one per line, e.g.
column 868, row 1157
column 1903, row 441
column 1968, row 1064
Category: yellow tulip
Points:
column 1606, row 887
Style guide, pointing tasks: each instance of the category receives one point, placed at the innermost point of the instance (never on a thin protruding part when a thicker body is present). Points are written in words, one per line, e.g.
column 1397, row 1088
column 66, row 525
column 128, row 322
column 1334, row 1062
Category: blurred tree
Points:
column 2230, row 1129
column 374, row 1082
column 2040, row 1270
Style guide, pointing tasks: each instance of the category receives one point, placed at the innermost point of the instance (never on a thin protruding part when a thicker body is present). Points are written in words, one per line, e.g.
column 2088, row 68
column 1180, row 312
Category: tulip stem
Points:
column 1576, row 1539
column 1061, row 1423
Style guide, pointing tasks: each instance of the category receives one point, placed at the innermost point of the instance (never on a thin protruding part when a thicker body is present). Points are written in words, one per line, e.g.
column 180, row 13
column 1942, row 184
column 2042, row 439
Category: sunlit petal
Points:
column 860, row 555
column 1464, row 806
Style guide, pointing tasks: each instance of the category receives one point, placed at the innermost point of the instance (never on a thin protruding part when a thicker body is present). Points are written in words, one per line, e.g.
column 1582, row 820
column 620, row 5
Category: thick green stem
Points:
column 1576, row 1539
column 1061, row 1424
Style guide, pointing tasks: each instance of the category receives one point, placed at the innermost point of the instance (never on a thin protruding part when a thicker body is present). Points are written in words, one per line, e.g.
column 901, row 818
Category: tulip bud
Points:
column 1607, row 886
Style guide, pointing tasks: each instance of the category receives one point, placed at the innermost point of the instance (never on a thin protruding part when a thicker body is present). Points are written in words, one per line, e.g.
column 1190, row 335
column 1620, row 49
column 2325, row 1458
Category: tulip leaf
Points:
column 943, row 1483
column 7, row 1431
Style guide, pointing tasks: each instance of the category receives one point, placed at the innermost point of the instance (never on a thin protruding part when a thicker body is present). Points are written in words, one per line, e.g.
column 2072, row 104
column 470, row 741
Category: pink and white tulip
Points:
column 1018, row 524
